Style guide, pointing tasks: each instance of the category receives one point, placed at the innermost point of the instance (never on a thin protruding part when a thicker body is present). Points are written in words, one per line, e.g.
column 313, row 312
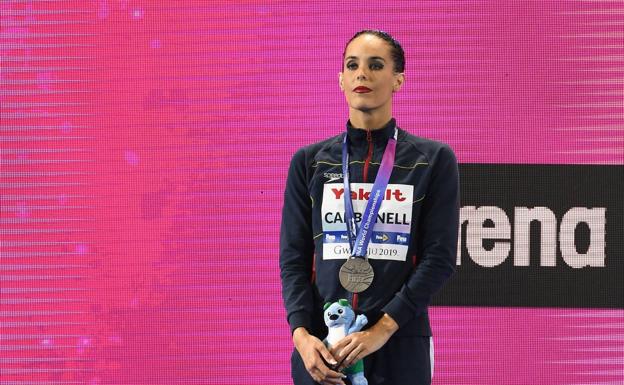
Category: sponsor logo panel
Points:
column 391, row 233
column 539, row 235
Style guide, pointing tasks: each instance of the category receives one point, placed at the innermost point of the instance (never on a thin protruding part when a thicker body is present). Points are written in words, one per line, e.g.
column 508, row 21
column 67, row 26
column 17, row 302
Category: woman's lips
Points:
column 361, row 90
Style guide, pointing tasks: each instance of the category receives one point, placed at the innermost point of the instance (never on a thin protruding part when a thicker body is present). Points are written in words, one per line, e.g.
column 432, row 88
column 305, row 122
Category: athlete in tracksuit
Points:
column 412, row 251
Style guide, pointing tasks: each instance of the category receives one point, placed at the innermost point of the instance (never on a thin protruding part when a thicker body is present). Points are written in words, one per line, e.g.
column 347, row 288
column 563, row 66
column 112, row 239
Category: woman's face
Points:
column 368, row 78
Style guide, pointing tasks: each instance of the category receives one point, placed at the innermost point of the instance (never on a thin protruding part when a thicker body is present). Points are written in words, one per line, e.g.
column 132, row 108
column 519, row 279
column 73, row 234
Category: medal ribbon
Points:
column 360, row 238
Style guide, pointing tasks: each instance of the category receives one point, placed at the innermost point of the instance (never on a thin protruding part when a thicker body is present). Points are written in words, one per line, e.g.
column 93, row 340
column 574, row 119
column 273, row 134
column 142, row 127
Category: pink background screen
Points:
column 144, row 150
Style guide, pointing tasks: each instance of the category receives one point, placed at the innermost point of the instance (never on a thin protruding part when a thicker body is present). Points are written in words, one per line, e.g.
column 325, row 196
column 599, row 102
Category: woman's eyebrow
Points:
column 370, row 58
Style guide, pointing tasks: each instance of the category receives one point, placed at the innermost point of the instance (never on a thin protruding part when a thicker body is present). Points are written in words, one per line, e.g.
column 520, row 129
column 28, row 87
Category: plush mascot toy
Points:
column 341, row 321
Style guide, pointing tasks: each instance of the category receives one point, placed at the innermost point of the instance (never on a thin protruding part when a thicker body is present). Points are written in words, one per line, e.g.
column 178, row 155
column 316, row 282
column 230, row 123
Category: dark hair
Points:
column 396, row 51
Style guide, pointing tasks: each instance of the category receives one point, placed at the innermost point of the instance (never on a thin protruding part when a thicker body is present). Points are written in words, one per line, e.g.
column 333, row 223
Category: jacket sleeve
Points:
column 297, row 246
column 436, row 241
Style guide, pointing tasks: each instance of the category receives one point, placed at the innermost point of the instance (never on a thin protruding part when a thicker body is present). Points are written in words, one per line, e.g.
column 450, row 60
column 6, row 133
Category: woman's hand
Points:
column 358, row 345
column 315, row 355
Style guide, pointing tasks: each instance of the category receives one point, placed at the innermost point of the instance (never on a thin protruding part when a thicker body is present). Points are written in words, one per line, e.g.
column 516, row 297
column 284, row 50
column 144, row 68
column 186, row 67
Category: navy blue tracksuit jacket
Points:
column 412, row 251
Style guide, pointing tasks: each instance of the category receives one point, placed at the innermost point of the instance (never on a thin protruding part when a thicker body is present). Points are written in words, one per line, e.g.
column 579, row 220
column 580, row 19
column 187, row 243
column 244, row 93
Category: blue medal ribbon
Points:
column 359, row 238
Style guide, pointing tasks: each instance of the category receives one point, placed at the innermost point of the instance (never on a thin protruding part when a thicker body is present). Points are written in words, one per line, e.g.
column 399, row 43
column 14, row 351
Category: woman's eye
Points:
column 376, row 66
column 351, row 66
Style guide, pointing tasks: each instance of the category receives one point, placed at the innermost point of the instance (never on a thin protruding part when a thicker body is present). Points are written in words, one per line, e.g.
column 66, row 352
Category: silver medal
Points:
column 356, row 274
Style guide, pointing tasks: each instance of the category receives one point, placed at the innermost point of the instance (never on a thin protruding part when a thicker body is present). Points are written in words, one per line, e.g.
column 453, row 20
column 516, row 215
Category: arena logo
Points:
column 554, row 234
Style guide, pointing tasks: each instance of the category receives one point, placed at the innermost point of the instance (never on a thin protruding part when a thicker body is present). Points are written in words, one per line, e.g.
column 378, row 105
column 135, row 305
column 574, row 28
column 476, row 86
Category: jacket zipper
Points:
column 369, row 157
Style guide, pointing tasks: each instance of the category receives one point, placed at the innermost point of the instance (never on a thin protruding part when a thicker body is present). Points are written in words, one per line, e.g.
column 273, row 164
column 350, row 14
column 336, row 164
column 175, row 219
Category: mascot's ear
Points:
column 343, row 302
column 328, row 304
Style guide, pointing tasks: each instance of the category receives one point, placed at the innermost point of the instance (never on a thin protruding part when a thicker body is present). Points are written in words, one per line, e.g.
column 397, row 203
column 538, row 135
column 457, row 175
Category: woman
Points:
column 331, row 202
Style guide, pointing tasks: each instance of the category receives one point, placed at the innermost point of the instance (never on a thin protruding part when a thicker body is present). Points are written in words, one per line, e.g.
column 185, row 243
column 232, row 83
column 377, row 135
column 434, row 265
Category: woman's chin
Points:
column 362, row 107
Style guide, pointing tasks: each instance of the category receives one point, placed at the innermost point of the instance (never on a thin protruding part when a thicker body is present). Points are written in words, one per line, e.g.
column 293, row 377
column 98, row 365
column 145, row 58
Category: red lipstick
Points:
column 361, row 90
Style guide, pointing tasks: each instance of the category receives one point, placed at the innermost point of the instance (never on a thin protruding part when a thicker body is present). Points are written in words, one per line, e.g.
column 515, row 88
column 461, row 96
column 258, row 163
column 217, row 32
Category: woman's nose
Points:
column 361, row 74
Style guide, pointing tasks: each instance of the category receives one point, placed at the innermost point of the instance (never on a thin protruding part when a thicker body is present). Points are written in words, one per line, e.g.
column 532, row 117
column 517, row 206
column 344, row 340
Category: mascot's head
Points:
column 338, row 313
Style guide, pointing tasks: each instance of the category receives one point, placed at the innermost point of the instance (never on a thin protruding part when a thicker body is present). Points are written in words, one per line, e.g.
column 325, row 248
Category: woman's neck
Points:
column 369, row 120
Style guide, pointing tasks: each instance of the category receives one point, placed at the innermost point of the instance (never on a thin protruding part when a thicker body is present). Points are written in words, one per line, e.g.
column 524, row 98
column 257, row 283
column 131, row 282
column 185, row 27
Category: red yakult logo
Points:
column 361, row 194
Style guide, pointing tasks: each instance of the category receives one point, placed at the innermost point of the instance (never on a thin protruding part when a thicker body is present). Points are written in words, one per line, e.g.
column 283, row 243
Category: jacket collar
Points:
column 381, row 135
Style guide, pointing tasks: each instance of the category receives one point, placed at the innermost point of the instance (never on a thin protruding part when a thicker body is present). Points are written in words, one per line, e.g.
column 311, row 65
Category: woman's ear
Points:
column 340, row 81
column 398, row 81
